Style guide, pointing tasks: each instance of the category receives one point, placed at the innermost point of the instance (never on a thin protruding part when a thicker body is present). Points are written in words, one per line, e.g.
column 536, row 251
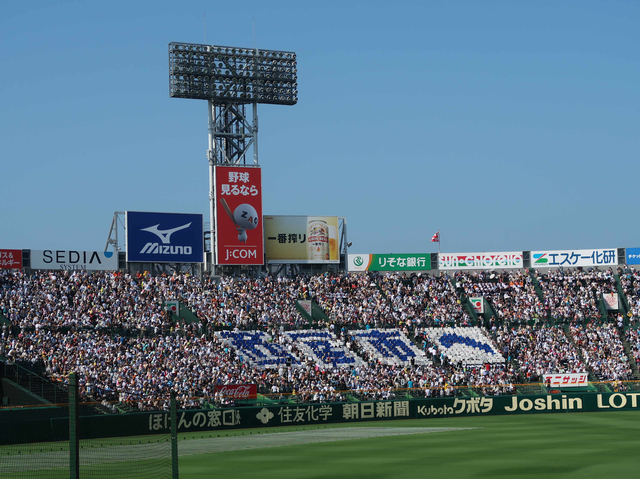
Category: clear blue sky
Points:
column 507, row 125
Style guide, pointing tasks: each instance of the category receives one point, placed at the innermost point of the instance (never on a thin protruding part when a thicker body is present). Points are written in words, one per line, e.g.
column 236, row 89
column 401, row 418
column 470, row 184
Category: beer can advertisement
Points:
column 238, row 216
column 302, row 239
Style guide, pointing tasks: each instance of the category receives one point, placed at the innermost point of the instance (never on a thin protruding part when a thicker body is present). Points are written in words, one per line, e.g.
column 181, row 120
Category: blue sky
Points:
column 508, row 126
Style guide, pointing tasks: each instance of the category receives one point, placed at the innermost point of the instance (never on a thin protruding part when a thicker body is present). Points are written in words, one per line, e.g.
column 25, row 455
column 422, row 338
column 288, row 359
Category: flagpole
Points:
column 439, row 242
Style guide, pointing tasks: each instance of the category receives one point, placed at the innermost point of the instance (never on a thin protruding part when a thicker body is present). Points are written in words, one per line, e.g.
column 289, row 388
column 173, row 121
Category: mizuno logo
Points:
column 164, row 235
column 157, row 248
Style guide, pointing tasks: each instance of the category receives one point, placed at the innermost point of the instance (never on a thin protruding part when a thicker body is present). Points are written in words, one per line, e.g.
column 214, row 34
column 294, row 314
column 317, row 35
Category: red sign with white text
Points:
column 239, row 230
column 237, row 391
column 10, row 258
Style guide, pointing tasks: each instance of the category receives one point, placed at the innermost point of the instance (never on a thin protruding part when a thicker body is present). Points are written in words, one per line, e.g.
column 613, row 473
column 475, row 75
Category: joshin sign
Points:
column 239, row 232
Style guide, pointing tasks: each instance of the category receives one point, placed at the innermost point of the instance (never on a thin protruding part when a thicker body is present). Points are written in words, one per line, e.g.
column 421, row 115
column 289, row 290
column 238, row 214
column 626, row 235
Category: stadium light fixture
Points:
column 232, row 75
column 230, row 78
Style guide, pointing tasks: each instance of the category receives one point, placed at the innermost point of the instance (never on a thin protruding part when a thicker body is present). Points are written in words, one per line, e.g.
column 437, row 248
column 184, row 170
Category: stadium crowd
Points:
column 142, row 369
column 633, row 337
column 539, row 350
column 572, row 295
column 423, row 300
column 512, row 294
column 112, row 328
column 603, row 351
column 630, row 282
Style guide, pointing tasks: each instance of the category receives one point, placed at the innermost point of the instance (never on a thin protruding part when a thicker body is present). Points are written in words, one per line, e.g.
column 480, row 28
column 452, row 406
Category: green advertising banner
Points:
column 287, row 415
column 389, row 262
column 48, row 425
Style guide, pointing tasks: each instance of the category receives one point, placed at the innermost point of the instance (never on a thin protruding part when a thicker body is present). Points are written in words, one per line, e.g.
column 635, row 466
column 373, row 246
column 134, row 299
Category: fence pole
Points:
column 174, row 437
column 74, row 443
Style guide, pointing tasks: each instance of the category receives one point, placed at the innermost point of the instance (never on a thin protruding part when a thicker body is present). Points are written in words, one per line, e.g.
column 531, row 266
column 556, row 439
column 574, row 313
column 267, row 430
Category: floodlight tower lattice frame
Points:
column 231, row 78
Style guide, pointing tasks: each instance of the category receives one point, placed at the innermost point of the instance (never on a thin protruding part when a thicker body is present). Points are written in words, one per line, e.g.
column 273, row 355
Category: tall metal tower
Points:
column 231, row 78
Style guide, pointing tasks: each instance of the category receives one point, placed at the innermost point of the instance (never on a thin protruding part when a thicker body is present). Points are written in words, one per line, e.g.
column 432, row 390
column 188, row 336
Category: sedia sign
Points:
column 72, row 260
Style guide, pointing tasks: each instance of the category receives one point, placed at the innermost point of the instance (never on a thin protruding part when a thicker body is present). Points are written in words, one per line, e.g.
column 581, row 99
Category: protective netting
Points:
column 48, row 460
column 35, row 444
column 136, row 457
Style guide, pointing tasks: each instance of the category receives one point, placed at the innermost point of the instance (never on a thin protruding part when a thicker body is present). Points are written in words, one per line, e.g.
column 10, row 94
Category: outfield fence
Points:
column 76, row 440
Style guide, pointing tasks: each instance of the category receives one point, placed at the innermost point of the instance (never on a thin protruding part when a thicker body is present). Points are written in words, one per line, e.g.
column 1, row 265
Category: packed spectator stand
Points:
column 386, row 335
column 512, row 294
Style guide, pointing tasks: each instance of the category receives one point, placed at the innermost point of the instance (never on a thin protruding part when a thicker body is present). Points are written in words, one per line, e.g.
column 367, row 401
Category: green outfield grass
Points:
column 577, row 445
column 581, row 445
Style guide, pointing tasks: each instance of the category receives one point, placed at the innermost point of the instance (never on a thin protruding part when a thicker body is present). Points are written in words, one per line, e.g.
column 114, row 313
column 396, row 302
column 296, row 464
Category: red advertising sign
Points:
column 239, row 230
column 237, row 391
column 10, row 258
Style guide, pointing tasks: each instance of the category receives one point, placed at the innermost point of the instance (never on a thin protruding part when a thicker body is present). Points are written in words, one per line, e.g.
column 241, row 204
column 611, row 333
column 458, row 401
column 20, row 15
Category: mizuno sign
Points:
column 164, row 237
column 155, row 248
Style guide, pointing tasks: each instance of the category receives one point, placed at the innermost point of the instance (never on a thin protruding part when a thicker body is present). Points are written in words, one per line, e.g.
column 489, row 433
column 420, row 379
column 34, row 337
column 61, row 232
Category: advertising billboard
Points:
column 633, row 255
column 10, row 258
column 574, row 258
column 237, row 391
column 71, row 260
column 164, row 237
column 389, row 262
column 302, row 239
column 575, row 380
column 499, row 260
column 238, row 214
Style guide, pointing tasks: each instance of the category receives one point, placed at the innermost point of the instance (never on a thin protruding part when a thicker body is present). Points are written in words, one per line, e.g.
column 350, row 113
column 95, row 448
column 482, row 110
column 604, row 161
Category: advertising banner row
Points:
column 306, row 414
column 300, row 414
column 49, row 425
column 178, row 238
column 495, row 260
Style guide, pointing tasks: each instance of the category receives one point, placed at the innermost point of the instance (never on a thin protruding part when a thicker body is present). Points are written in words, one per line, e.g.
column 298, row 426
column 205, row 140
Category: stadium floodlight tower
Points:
column 231, row 78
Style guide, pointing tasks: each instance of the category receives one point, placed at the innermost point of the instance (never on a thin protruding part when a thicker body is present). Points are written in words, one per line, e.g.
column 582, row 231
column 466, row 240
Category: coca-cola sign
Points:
column 237, row 391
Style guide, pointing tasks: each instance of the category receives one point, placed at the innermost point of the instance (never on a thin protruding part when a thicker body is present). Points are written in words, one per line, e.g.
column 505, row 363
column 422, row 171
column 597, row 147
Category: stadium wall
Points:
column 48, row 425
column 13, row 394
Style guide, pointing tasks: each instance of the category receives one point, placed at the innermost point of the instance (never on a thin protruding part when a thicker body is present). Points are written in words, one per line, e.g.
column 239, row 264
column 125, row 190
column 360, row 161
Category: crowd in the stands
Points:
column 572, row 295
column 423, row 300
column 603, row 351
column 630, row 281
column 540, row 350
column 113, row 329
column 512, row 294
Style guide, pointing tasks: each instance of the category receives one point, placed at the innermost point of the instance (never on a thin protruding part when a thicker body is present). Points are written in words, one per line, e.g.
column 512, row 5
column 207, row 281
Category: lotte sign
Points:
column 239, row 230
